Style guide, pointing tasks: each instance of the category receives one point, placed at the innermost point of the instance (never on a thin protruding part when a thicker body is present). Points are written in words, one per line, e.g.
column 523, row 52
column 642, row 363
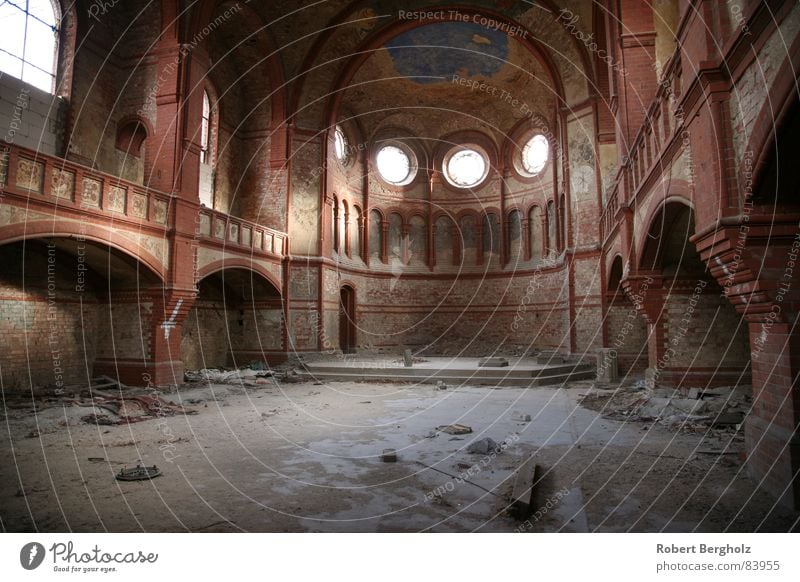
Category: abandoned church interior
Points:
column 399, row 266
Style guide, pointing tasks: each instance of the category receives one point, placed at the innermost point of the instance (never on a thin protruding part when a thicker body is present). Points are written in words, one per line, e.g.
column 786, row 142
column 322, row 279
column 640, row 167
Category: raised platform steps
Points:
column 521, row 372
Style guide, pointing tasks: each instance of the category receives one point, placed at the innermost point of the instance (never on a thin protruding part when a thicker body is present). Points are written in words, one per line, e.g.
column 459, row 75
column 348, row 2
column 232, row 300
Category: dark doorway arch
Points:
column 347, row 319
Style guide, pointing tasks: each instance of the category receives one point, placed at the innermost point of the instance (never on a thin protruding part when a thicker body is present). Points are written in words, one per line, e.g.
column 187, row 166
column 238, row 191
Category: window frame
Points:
column 55, row 28
column 457, row 149
column 413, row 163
column 205, row 129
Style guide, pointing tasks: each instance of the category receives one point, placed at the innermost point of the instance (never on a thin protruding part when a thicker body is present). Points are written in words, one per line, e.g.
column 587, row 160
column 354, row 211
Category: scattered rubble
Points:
column 688, row 410
column 247, row 376
column 483, row 446
column 454, row 429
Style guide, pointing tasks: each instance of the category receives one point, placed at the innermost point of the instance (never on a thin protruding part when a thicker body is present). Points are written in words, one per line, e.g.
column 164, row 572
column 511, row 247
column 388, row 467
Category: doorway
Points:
column 347, row 320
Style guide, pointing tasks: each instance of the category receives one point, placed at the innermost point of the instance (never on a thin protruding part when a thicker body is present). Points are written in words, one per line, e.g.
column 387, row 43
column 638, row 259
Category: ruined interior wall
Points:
column 465, row 316
column 705, row 332
column 627, row 334
column 207, row 333
column 49, row 338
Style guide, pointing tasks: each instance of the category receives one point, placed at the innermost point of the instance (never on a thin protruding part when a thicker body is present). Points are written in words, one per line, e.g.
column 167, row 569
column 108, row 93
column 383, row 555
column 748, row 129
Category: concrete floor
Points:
column 305, row 457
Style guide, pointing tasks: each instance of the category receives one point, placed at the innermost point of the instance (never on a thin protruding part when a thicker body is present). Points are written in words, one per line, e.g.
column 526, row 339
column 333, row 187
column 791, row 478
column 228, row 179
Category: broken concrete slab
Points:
column 492, row 363
column 664, row 407
column 482, row 446
column 523, row 502
column 520, row 417
column 454, row 429
column 728, row 419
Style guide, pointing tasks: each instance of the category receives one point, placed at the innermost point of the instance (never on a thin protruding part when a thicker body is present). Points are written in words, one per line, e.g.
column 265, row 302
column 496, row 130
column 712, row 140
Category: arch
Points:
column 444, row 243
column 492, row 243
column 335, row 222
column 246, row 305
column 468, row 236
column 347, row 319
column 132, row 131
column 552, row 228
column 383, row 35
column 240, row 264
column 535, row 232
column 85, row 231
column 615, row 274
column 515, row 238
column 202, row 17
column 417, row 243
column 781, row 99
column 344, row 228
column 375, row 241
column 651, row 220
column 396, row 235
column 357, row 222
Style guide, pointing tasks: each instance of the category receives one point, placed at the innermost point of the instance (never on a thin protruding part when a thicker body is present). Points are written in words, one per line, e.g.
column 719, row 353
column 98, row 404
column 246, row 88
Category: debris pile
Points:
column 695, row 410
column 128, row 409
column 249, row 376
column 91, row 405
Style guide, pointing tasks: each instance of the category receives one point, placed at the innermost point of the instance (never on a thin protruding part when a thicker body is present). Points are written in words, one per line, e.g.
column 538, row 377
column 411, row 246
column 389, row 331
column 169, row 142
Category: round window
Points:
column 535, row 154
column 395, row 165
column 466, row 167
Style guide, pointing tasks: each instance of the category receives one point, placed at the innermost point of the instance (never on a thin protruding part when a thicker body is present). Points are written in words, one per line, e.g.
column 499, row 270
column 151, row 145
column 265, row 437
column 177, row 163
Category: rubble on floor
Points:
column 454, row 429
column 717, row 408
column 127, row 406
column 249, row 375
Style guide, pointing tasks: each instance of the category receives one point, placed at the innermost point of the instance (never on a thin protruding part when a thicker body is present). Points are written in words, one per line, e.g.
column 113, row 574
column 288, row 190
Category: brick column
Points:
column 170, row 308
column 646, row 292
column 771, row 429
column 756, row 263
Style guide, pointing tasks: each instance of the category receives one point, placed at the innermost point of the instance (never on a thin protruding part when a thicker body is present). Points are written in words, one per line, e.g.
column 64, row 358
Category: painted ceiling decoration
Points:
column 435, row 53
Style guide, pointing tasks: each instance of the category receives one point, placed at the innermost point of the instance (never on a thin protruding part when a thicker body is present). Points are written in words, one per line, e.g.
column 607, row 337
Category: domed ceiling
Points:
column 447, row 76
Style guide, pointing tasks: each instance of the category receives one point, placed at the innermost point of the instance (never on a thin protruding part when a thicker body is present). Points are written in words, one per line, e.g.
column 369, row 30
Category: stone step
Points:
column 439, row 373
column 453, row 380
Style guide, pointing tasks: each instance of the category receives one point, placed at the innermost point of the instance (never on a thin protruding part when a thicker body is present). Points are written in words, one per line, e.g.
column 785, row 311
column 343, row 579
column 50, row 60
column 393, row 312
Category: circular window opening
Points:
column 466, row 167
column 535, row 154
column 395, row 165
column 340, row 145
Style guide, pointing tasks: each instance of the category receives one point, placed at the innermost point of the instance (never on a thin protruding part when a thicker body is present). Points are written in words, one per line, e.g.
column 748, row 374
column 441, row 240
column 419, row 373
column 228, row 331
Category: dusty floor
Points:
column 306, row 457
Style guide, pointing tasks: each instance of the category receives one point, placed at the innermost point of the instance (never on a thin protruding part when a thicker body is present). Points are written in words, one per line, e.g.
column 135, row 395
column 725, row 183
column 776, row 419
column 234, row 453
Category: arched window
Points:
column 29, row 41
column 205, row 130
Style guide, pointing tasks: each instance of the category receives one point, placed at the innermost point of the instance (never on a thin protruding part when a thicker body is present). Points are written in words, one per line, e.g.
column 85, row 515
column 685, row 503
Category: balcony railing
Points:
column 662, row 122
column 48, row 179
column 235, row 232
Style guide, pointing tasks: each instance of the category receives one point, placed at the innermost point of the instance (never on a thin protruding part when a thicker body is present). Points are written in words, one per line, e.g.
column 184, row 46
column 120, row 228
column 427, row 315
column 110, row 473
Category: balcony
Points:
column 657, row 138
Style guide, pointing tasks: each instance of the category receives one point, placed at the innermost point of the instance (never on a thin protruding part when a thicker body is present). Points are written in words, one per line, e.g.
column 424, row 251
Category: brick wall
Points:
column 49, row 337
column 30, row 117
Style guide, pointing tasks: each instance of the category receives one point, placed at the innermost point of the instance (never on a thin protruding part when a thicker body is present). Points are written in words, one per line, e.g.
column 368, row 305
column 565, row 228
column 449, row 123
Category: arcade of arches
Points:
column 197, row 184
